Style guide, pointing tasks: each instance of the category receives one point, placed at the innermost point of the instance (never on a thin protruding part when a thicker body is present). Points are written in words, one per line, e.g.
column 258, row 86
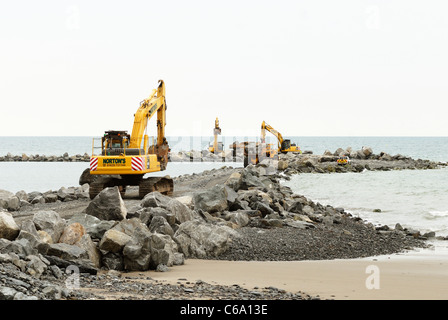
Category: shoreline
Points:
column 414, row 275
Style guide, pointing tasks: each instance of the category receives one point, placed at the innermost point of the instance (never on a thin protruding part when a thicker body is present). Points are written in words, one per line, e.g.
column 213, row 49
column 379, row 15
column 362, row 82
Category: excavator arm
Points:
column 264, row 127
column 155, row 103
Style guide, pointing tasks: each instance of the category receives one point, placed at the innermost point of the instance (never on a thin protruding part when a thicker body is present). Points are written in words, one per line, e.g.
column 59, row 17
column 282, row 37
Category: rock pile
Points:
column 13, row 202
column 360, row 160
column 43, row 158
column 180, row 156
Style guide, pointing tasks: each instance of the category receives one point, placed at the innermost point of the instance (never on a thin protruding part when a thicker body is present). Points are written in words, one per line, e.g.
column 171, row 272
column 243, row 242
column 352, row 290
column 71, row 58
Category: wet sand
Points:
column 417, row 275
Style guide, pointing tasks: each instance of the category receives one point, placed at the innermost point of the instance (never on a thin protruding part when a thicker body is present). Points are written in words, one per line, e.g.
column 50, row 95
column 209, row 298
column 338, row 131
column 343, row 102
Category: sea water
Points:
column 432, row 148
column 416, row 199
column 46, row 176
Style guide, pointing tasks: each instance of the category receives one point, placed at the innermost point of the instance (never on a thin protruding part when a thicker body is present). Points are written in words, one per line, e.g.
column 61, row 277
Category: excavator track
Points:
column 98, row 185
column 164, row 185
column 95, row 188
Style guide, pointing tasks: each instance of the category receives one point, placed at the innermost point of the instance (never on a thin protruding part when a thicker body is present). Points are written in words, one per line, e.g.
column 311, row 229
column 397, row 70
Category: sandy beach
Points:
column 416, row 275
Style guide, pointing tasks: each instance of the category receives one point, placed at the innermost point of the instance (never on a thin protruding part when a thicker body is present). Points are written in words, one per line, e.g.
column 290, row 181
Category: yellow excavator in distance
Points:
column 284, row 145
column 124, row 161
column 217, row 146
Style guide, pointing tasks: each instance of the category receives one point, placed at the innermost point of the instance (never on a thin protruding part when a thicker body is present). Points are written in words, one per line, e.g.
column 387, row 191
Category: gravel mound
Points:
column 351, row 238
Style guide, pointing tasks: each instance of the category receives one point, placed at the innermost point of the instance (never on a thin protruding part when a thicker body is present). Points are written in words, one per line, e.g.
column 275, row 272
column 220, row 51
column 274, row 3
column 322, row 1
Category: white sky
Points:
column 308, row 68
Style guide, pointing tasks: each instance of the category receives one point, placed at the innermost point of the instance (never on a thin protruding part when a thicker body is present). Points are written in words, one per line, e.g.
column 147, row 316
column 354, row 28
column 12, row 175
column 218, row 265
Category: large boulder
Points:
column 65, row 251
column 136, row 257
column 4, row 197
column 155, row 199
column 239, row 218
column 249, row 179
column 114, row 241
column 339, row 152
column 50, row 222
column 134, row 228
column 163, row 250
column 19, row 246
column 186, row 200
column 264, row 208
column 108, row 205
column 147, row 214
column 86, row 243
column 282, row 165
column 212, row 200
column 8, row 227
column 180, row 211
column 137, row 252
column 85, row 177
column 28, row 231
column 35, row 266
column 13, row 203
column 160, row 225
column 94, row 227
column 233, row 180
column 367, row 151
column 112, row 261
column 198, row 239
column 72, row 233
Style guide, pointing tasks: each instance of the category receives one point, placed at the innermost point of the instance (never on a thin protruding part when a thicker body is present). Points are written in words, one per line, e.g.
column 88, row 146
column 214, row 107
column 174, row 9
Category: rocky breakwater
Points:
column 359, row 160
column 174, row 156
column 21, row 199
column 44, row 158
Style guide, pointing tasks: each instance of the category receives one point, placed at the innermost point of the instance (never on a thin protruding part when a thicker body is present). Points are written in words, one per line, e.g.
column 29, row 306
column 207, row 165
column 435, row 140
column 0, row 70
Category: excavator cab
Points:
column 115, row 140
column 116, row 143
column 286, row 144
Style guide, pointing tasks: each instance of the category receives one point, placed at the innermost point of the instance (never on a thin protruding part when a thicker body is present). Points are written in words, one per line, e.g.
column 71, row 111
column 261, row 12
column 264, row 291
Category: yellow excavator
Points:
column 284, row 145
column 124, row 161
column 217, row 146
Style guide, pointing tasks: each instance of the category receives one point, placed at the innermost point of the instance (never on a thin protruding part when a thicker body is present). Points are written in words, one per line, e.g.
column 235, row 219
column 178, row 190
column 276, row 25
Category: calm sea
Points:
column 433, row 148
column 415, row 199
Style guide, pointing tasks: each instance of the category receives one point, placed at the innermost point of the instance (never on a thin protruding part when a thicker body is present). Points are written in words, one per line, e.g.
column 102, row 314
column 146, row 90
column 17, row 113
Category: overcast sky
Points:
column 308, row 68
